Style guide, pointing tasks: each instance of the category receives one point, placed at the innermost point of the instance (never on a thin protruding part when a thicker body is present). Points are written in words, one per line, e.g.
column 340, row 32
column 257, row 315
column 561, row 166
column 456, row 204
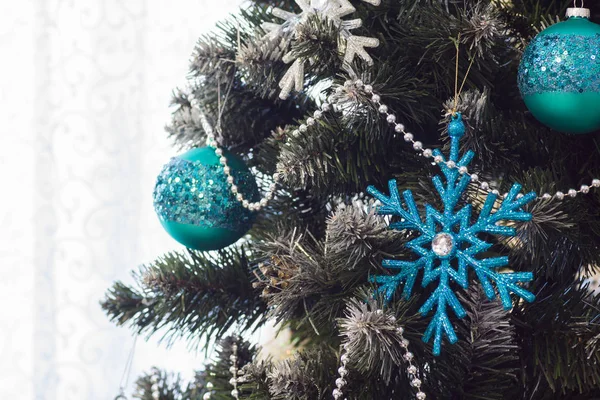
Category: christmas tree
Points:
column 323, row 99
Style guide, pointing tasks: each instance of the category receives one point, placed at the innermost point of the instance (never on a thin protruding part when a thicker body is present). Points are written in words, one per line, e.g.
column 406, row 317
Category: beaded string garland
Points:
column 220, row 152
column 411, row 370
column 234, row 376
column 330, row 106
column 234, row 371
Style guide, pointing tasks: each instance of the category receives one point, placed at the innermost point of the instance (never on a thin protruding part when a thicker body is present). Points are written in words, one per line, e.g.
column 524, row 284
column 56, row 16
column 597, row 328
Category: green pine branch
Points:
column 195, row 296
column 559, row 346
column 306, row 280
column 214, row 378
column 160, row 385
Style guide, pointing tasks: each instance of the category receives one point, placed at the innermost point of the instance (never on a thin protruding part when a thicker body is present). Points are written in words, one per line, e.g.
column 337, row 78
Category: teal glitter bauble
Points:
column 559, row 76
column 194, row 203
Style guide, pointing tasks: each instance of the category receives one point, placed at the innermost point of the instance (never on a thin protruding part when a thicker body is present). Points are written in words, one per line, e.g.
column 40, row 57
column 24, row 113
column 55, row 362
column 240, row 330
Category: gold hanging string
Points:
column 457, row 90
column 456, row 44
column 221, row 106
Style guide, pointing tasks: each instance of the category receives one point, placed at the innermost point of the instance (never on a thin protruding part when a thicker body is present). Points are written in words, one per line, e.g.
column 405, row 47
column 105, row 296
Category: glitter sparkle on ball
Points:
column 194, row 203
column 559, row 75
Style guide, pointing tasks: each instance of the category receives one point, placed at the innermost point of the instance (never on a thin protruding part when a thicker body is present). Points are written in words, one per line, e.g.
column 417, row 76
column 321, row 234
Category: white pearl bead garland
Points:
column 234, row 370
column 211, row 141
column 390, row 118
column 233, row 381
column 278, row 176
column 427, row 153
column 411, row 370
column 341, row 381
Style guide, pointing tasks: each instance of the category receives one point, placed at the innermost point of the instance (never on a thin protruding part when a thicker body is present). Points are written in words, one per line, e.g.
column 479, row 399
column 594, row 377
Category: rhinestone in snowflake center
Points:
column 442, row 244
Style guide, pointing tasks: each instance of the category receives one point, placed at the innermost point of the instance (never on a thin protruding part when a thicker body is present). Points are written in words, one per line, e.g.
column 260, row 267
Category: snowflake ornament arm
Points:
column 334, row 10
column 447, row 245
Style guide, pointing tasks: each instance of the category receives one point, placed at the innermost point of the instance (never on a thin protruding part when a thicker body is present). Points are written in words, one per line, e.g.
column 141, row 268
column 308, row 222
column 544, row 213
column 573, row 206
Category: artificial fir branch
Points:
column 213, row 60
column 371, row 339
column 560, row 334
column 218, row 372
column 306, row 376
column 253, row 380
column 484, row 29
column 298, row 209
column 491, row 363
column 525, row 17
column 160, row 385
column 304, row 279
column 185, row 127
column 310, row 276
column 307, row 297
column 240, row 129
column 487, row 357
column 193, row 296
column 220, row 61
column 332, row 151
column 355, row 235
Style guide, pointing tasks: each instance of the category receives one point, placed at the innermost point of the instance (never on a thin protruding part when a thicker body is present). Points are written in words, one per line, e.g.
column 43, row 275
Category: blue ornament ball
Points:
column 559, row 76
column 194, row 203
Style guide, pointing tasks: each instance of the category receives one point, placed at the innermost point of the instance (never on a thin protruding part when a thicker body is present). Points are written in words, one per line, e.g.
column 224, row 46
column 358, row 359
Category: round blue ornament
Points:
column 559, row 75
column 194, row 203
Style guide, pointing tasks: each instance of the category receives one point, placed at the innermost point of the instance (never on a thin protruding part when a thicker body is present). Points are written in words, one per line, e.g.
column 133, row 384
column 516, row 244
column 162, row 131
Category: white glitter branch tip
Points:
column 352, row 24
column 288, row 58
column 344, row 8
column 279, row 13
column 270, row 26
column 304, row 4
column 334, row 10
column 355, row 45
column 293, row 79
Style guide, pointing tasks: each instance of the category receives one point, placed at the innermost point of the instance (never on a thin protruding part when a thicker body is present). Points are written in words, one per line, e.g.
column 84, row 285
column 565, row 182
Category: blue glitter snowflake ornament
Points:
column 448, row 246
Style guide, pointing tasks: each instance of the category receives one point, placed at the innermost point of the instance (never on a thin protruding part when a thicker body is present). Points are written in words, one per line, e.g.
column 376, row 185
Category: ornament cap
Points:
column 578, row 12
column 456, row 127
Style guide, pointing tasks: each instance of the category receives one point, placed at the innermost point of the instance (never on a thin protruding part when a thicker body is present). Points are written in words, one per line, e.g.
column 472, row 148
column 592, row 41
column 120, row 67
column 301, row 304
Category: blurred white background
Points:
column 84, row 94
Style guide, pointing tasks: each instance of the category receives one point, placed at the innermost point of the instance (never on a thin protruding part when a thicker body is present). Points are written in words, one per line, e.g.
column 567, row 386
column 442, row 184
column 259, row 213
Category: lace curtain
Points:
column 84, row 94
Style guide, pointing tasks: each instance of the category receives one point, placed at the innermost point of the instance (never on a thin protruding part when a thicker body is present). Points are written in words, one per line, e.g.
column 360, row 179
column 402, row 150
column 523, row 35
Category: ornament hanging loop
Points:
column 580, row 12
column 456, row 127
column 127, row 371
column 457, row 91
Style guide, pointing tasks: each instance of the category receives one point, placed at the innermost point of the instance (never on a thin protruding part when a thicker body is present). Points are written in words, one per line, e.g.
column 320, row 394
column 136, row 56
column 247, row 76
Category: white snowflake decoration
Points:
column 334, row 10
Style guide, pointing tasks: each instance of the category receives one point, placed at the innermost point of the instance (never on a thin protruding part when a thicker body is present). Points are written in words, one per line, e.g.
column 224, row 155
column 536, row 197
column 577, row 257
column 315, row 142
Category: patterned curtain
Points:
column 84, row 94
